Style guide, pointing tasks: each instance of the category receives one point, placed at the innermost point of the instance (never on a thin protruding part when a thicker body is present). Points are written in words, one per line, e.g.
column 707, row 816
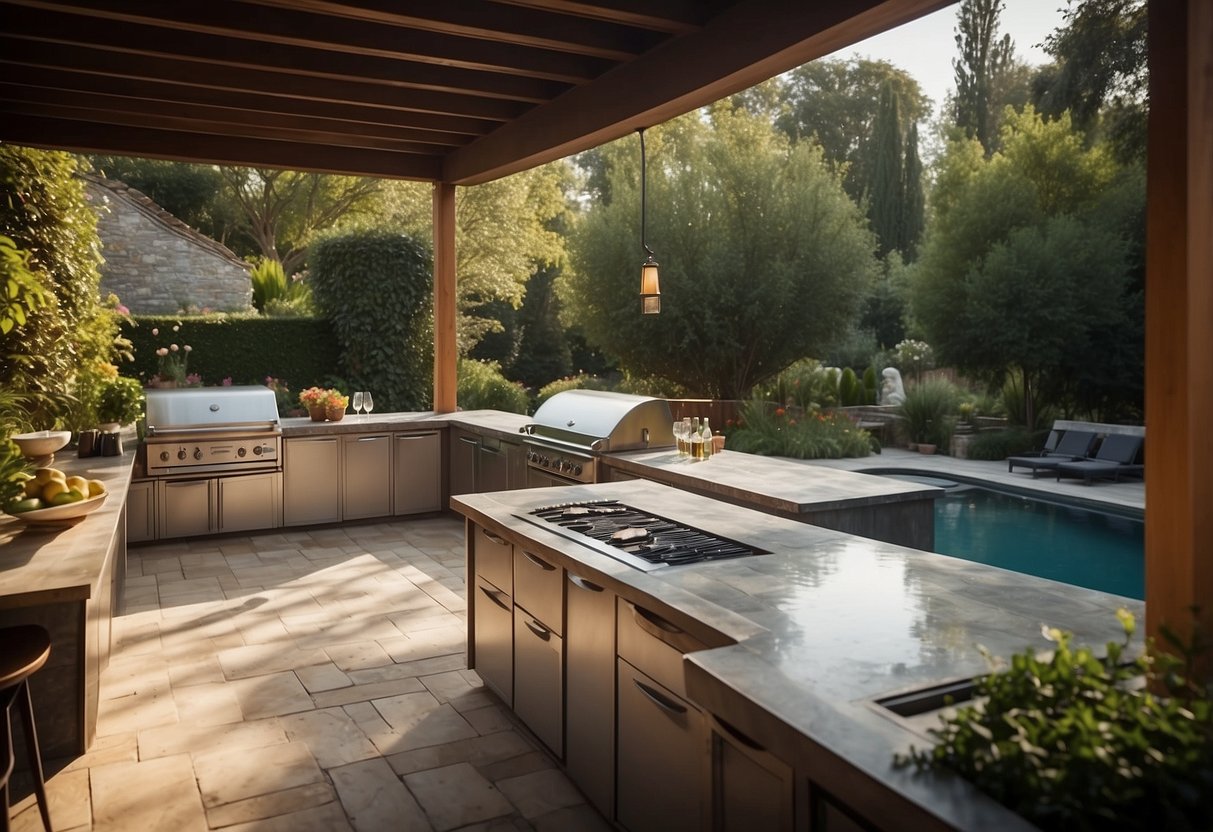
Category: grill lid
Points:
column 604, row 421
column 250, row 407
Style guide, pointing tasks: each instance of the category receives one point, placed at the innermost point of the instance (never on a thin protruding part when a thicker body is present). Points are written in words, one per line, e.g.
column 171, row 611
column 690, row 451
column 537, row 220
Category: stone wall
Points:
column 156, row 264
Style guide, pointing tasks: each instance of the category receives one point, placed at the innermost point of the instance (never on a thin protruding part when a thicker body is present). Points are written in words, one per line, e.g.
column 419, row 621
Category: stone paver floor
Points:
column 304, row 680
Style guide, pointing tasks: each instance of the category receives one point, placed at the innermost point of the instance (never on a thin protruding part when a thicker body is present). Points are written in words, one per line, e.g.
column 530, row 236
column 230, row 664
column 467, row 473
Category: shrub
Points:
column 121, row 401
column 927, row 411
column 374, row 287
column 481, row 386
column 771, row 430
column 850, row 391
column 1000, row 444
column 275, row 294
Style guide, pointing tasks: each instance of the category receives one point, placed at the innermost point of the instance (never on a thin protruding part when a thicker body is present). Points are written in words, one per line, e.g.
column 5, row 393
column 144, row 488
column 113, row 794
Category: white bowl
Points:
column 67, row 511
column 41, row 443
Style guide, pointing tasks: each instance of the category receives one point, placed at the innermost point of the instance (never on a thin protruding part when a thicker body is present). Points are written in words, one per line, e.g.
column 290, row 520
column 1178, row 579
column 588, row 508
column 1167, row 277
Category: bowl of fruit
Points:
column 51, row 496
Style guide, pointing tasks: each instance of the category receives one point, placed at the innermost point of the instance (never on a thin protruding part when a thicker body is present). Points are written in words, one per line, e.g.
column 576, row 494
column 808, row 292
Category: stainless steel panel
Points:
column 492, row 467
column 185, row 507
column 417, row 458
column 311, row 481
column 247, row 503
column 493, row 557
column 751, row 788
column 493, row 638
column 661, row 771
column 538, row 587
column 654, row 645
column 366, row 476
column 606, row 421
column 589, row 661
column 211, row 408
column 536, row 478
column 539, row 681
column 141, row 512
column 463, row 448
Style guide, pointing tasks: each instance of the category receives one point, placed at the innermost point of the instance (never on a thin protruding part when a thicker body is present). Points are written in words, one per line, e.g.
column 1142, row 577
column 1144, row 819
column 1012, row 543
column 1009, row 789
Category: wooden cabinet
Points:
column 417, row 464
column 589, row 690
column 464, row 446
column 250, row 502
column 539, row 682
column 185, row 507
column 493, row 638
column 311, row 480
column 366, row 475
column 751, row 788
column 141, row 512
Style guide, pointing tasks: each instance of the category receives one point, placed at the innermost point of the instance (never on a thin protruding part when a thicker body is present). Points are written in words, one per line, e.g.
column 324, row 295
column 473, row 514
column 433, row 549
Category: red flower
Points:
column 791, row 422
column 779, row 411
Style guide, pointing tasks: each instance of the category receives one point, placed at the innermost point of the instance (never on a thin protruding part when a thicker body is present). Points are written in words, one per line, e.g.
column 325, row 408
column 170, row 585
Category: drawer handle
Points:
column 539, row 630
column 656, row 620
column 492, row 596
column 540, row 562
column 468, row 441
column 737, row 735
column 500, row 541
column 370, row 438
column 660, row 701
column 404, row 436
column 665, row 632
column 584, row 584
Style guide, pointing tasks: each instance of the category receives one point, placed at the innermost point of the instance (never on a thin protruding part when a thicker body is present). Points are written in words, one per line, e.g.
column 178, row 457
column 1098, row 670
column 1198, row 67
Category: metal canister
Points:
column 88, row 443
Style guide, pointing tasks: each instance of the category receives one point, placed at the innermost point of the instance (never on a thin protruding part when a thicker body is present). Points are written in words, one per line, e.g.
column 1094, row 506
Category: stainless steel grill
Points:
column 572, row 428
column 215, row 430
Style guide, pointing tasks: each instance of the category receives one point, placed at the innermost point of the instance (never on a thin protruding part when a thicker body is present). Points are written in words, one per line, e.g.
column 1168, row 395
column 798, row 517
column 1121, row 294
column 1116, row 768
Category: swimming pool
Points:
column 1077, row 546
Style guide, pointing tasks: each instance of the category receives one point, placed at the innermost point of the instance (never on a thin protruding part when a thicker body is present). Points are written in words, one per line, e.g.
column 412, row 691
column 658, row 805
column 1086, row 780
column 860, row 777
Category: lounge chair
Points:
column 1074, row 445
column 1116, row 457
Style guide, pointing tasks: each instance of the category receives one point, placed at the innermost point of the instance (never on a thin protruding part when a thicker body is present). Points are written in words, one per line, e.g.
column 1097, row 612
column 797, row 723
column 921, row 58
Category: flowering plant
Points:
column 326, row 398
column 174, row 360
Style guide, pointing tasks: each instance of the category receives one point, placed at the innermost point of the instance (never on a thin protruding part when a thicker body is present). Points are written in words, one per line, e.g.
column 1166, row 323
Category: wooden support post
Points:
column 445, row 309
column 1179, row 320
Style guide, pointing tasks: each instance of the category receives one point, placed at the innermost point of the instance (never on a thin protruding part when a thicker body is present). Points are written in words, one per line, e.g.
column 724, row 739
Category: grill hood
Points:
column 211, row 408
column 604, row 422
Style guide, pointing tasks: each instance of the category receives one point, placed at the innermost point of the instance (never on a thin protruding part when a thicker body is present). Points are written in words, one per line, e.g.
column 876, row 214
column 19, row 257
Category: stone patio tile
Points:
column 367, row 692
column 411, row 649
column 443, row 724
column 195, row 672
column 149, row 707
column 516, row 767
column 271, row 695
column 178, row 739
column 127, row 675
column 321, row 677
column 136, row 636
column 260, row 659
column 272, row 805
column 326, row 818
column 264, row 630
column 150, row 794
column 358, row 655
column 232, row 775
column 115, row 748
column 208, row 704
column 67, row 794
column 580, row 818
column 478, row 751
column 449, row 686
column 333, row 737
column 488, row 720
column 429, row 617
column 457, row 795
column 368, row 720
column 540, row 792
column 347, row 627
column 375, row 799
column 420, row 667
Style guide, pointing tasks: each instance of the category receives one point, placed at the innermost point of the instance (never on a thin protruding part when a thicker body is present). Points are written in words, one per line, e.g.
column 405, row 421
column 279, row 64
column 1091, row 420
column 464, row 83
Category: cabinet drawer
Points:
column 539, row 688
column 539, row 587
column 494, row 559
column 654, row 645
column 493, row 639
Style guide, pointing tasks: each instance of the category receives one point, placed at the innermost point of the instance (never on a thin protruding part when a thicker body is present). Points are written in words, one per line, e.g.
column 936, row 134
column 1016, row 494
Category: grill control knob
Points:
column 197, row 453
column 577, row 470
column 240, row 452
column 257, row 450
column 164, row 456
column 181, row 453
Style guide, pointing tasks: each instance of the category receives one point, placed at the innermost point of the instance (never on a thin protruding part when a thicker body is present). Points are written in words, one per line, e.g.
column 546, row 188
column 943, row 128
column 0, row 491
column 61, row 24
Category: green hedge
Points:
column 301, row 351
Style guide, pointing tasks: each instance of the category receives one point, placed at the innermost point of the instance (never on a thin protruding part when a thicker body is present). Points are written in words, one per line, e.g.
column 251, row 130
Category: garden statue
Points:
column 891, row 391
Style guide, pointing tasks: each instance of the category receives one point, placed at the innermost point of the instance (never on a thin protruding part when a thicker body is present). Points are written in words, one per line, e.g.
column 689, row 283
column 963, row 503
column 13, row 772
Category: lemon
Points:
column 45, row 475
column 52, row 490
column 33, row 488
column 95, row 488
column 78, row 484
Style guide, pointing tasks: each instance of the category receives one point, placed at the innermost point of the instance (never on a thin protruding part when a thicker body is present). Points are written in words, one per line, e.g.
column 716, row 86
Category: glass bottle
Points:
column 696, row 439
column 707, row 439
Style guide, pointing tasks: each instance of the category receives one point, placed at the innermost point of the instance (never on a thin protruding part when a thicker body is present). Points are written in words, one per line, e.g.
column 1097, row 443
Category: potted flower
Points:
column 335, row 405
column 324, row 404
column 120, row 403
column 172, row 369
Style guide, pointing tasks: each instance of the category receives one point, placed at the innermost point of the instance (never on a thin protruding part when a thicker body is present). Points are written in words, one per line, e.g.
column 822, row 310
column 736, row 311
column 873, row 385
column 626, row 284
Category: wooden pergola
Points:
column 459, row 93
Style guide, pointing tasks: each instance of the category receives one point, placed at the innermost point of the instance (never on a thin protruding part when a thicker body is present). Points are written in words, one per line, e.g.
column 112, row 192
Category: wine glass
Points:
column 368, row 404
column 358, row 402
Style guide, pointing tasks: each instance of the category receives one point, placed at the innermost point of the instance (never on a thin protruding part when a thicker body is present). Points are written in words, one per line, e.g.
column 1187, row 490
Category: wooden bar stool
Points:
column 23, row 650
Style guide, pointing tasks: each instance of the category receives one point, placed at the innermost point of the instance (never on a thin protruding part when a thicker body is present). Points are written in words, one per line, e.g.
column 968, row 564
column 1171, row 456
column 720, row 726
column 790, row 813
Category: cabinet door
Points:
column 493, row 638
column 366, row 476
column 247, row 503
column 539, row 687
column 417, row 459
column 492, row 468
column 311, row 481
column 186, row 507
column 660, row 771
column 751, row 788
column 141, row 512
column 589, row 682
column 463, row 450
column 516, row 462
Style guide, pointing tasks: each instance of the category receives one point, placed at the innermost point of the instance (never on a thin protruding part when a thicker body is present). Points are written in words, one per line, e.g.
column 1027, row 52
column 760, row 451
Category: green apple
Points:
column 28, row 504
column 65, row 497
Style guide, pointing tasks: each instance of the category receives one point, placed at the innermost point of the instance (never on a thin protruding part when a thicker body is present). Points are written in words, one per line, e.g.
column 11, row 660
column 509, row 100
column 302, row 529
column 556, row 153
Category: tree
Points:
column 885, row 194
column 543, row 350
column 984, row 59
column 913, row 201
column 764, row 258
column 1028, row 267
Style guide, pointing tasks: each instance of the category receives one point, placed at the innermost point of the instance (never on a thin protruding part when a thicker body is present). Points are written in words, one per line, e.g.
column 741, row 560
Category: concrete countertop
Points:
column 776, row 483
column 43, row 564
column 824, row 625
column 496, row 422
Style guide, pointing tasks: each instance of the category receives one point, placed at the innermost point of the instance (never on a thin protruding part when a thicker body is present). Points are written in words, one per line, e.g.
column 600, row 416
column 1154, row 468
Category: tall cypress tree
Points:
column 886, row 183
column 983, row 59
column 913, row 201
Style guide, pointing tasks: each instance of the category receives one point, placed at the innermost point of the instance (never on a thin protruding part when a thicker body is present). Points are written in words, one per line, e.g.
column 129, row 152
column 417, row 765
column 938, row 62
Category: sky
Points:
column 925, row 48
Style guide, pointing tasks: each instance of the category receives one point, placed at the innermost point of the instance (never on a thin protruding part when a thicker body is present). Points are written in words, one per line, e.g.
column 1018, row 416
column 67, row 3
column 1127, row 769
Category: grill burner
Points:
column 655, row 540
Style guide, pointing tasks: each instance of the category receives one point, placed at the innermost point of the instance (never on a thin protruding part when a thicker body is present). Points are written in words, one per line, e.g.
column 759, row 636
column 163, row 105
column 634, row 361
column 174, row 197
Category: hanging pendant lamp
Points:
column 650, row 287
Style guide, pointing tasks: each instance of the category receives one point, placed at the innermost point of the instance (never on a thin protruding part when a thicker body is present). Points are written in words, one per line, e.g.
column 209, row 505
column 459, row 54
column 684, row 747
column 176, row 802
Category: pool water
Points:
column 1086, row 548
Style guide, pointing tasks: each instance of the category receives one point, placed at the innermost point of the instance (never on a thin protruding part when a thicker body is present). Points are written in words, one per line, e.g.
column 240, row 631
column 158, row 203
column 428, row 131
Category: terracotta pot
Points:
column 334, row 414
column 316, row 412
column 165, row 383
column 924, row 448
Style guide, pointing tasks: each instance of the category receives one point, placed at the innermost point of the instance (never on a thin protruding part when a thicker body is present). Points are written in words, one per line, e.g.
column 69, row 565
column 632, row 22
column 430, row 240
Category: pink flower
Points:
column 172, row 347
column 227, row 382
column 163, row 351
column 155, row 331
column 193, row 380
column 188, row 348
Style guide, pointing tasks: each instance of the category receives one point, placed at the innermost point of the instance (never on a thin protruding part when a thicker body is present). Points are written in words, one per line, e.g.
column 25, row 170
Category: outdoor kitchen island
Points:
column 741, row 693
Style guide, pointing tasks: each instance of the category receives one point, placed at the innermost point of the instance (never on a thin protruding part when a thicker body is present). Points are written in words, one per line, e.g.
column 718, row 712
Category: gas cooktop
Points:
column 635, row 537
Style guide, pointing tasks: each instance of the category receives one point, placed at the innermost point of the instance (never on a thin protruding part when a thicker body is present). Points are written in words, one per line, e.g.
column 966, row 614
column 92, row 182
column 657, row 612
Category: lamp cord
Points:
column 643, row 197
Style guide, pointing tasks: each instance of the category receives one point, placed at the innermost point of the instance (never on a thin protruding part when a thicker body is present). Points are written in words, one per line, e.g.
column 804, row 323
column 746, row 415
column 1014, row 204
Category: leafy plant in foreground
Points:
column 1076, row 741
